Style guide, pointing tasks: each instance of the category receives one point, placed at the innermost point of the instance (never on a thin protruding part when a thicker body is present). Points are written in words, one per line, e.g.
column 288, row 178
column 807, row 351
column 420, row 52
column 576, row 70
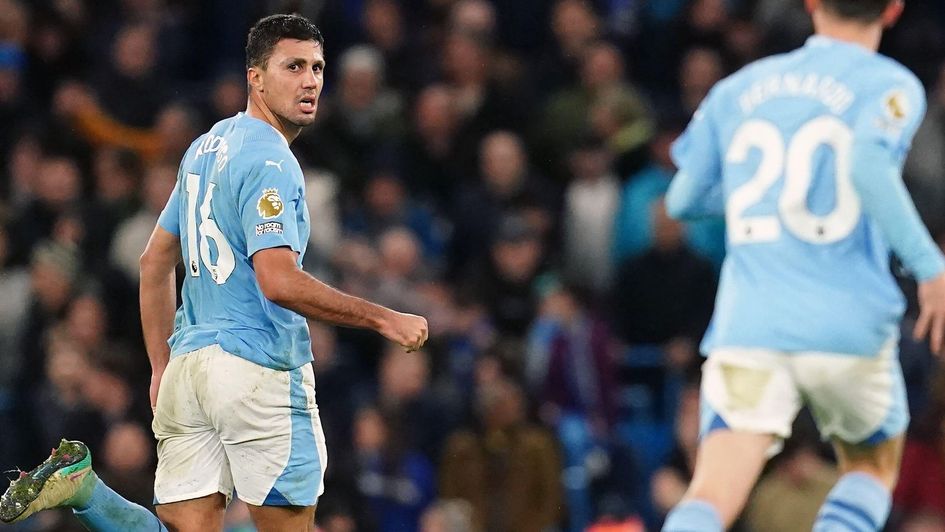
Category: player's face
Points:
column 293, row 80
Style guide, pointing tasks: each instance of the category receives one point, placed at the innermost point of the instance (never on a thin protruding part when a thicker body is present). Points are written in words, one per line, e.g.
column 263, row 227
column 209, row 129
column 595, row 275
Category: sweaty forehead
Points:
column 295, row 49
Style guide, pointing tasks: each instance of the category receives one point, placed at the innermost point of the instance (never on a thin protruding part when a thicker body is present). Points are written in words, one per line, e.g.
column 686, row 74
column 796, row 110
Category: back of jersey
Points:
column 805, row 269
column 240, row 190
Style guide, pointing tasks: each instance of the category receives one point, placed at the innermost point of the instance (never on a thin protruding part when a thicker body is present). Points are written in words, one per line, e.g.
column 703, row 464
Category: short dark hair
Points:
column 861, row 10
column 268, row 31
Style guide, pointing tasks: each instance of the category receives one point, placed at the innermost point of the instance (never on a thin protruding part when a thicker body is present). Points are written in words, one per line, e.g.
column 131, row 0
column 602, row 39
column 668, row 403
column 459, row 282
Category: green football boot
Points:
column 64, row 479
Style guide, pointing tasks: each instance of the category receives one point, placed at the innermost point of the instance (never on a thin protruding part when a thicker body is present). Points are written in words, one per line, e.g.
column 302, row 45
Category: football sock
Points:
column 103, row 510
column 857, row 503
column 693, row 516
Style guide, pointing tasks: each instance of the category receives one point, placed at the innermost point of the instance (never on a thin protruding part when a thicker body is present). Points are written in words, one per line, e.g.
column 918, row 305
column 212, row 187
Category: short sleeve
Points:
column 270, row 199
column 696, row 151
column 891, row 115
column 696, row 190
column 169, row 219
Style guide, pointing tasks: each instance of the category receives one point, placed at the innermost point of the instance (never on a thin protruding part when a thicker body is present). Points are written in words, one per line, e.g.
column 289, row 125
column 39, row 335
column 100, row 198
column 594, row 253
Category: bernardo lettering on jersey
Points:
column 214, row 144
column 826, row 89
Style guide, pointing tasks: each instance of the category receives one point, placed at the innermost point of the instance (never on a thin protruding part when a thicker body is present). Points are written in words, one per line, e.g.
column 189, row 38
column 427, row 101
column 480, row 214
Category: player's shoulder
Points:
column 267, row 164
column 213, row 141
column 722, row 94
column 894, row 92
column 263, row 156
column 890, row 74
column 759, row 69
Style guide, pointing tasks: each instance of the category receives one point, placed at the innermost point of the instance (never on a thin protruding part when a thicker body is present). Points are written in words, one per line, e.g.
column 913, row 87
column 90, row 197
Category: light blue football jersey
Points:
column 773, row 148
column 239, row 190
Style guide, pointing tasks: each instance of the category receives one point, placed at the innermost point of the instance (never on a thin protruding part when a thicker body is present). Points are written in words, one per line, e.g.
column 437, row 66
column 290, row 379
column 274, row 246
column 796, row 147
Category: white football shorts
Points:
column 223, row 422
column 859, row 400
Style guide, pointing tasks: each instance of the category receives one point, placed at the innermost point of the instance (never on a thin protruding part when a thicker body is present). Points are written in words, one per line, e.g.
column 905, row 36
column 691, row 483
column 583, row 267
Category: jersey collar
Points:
column 822, row 41
column 241, row 114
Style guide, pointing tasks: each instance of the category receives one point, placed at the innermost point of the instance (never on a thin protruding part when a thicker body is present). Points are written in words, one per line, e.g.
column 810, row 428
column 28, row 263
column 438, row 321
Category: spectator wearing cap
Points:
column 506, row 283
column 54, row 273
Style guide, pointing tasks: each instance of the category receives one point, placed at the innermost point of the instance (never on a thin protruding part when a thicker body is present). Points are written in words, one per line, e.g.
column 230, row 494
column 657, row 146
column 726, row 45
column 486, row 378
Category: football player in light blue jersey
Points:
column 232, row 384
column 802, row 155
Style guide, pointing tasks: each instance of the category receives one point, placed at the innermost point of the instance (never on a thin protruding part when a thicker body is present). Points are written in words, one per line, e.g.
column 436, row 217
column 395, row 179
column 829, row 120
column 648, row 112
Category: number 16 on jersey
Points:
column 207, row 231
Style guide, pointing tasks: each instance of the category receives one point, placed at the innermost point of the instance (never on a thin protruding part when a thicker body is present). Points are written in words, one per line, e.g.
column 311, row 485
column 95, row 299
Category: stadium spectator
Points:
column 507, row 185
column 508, row 469
column 667, row 293
column 505, row 281
column 131, row 235
column 570, row 372
column 591, row 201
column 429, row 149
column 396, row 481
column 603, row 103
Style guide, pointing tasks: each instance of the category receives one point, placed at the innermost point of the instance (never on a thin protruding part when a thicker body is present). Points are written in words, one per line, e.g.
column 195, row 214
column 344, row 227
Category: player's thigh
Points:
column 203, row 514
column 750, row 391
column 860, row 404
column 748, row 404
column 880, row 460
column 283, row 518
column 269, row 425
column 191, row 459
column 727, row 466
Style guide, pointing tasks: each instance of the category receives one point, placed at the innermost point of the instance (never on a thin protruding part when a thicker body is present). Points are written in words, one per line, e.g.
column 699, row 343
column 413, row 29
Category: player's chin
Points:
column 303, row 118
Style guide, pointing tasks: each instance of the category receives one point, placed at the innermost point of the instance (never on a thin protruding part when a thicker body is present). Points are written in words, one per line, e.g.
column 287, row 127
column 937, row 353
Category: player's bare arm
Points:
column 158, row 296
column 285, row 284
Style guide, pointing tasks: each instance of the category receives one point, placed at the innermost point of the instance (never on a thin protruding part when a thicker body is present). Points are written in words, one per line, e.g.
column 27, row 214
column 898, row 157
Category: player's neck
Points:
column 866, row 35
column 262, row 112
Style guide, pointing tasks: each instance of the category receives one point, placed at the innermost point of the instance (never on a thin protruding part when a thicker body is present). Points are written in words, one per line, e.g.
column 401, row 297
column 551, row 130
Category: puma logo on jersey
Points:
column 276, row 164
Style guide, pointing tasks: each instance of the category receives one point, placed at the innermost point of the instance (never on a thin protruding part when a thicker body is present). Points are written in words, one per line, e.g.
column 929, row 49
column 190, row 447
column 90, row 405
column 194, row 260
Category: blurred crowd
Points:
column 497, row 166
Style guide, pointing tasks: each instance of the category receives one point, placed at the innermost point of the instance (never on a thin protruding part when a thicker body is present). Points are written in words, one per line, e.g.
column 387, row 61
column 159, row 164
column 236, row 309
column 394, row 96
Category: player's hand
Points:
column 931, row 320
column 408, row 330
column 156, row 377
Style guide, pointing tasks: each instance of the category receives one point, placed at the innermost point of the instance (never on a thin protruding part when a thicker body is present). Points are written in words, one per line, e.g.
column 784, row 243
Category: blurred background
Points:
column 497, row 166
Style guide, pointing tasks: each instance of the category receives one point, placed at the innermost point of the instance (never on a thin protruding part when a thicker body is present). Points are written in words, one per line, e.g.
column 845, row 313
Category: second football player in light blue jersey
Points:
column 802, row 153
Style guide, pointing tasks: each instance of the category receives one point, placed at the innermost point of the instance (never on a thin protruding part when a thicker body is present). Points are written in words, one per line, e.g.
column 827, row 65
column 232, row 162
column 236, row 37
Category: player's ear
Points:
column 811, row 5
column 892, row 13
column 254, row 79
